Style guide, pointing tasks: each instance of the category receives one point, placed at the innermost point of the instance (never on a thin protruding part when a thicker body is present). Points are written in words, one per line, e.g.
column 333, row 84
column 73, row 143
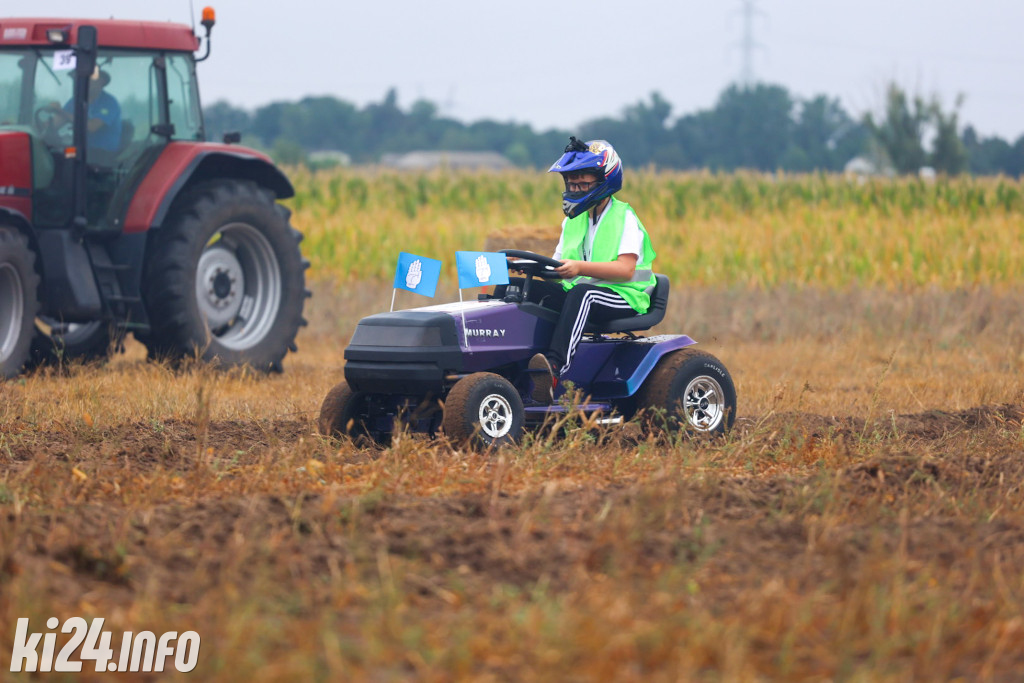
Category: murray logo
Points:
column 485, row 333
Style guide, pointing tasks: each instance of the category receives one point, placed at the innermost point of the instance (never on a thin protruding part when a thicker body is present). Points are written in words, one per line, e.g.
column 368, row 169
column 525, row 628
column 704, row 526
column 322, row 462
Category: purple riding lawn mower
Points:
column 462, row 369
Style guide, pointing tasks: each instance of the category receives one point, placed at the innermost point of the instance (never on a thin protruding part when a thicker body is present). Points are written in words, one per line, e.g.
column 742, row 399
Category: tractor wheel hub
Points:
column 220, row 285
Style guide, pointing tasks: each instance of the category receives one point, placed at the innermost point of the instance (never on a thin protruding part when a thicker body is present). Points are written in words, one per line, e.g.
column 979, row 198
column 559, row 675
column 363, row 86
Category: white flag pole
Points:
column 465, row 335
column 394, row 290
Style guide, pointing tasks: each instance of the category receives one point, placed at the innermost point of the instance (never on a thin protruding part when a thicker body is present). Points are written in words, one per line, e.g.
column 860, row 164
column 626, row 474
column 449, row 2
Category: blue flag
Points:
column 417, row 274
column 481, row 268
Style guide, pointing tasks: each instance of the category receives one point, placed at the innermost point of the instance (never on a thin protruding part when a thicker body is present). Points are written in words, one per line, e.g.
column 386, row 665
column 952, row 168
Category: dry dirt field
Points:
column 863, row 522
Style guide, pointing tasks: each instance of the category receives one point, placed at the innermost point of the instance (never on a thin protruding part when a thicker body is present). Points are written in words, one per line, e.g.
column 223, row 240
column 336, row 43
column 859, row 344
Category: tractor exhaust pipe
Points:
column 85, row 65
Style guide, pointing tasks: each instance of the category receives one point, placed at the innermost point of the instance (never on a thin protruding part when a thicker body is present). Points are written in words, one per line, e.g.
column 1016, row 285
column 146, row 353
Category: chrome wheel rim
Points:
column 704, row 403
column 495, row 416
column 12, row 309
column 238, row 286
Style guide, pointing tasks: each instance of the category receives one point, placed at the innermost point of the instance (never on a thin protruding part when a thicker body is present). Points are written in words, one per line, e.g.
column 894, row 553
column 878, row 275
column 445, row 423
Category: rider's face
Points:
column 580, row 181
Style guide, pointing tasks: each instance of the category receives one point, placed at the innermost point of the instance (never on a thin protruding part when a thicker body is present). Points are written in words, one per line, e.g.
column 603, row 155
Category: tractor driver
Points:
column 104, row 115
column 605, row 252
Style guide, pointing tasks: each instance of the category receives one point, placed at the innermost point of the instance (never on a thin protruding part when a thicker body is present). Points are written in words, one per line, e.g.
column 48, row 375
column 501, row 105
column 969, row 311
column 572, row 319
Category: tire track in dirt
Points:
column 737, row 524
column 167, row 440
column 164, row 442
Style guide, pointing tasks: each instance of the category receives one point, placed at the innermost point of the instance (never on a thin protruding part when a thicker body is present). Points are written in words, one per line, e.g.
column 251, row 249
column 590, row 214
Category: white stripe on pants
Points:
column 601, row 297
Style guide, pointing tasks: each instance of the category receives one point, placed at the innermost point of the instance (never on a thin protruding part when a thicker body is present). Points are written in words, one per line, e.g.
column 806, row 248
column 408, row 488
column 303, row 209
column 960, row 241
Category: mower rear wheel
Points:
column 19, row 301
column 225, row 279
column 689, row 389
column 483, row 409
column 346, row 412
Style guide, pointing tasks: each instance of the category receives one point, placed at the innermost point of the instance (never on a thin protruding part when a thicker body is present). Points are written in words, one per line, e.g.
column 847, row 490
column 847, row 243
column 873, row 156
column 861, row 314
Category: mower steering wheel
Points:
column 534, row 264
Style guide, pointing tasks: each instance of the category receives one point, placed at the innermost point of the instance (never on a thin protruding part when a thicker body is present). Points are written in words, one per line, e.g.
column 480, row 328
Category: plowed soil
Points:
column 810, row 544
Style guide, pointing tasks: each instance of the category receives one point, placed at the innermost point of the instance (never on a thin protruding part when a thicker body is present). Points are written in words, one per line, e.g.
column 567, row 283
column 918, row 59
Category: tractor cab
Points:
column 92, row 130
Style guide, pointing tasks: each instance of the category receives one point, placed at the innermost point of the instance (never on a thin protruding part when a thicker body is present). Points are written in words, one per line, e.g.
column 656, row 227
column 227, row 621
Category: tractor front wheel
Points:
column 57, row 343
column 483, row 409
column 19, row 301
column 225, row 279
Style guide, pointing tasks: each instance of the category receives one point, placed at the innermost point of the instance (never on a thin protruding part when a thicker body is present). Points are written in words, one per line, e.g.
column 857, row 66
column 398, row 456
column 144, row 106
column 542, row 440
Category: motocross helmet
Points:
column 597, row 157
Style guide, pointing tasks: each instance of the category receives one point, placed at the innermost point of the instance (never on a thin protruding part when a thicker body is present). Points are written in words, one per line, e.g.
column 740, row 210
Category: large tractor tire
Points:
column 225, row 280
column 482, row 410
column 19, row 301
column 347, row 412
column 57, row 343
column 691, row 390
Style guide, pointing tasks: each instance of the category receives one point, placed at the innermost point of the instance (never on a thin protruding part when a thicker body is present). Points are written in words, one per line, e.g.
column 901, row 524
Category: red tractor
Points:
column 116, row 216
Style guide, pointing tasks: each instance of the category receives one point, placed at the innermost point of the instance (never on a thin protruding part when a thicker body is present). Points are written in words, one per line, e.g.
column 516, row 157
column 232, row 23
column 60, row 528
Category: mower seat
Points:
column 644, row 321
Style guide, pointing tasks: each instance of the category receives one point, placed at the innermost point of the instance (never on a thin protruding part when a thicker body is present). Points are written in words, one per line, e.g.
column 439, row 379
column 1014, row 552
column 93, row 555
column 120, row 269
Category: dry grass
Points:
column 863, row 522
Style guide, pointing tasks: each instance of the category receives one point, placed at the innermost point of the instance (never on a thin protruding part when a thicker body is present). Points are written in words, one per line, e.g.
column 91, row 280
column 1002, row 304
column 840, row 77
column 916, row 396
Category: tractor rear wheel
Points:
column 19, row 301
column 483, row 409
column 225, row 279
column 689, row 389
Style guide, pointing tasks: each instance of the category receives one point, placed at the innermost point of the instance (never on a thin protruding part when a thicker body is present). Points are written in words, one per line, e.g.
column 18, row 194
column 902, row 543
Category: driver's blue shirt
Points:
column 106, row 109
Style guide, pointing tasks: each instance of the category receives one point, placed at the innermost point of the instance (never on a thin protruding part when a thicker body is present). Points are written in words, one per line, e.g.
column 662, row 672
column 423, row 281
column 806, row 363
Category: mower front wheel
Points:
column 483, row 409
column 347, row 412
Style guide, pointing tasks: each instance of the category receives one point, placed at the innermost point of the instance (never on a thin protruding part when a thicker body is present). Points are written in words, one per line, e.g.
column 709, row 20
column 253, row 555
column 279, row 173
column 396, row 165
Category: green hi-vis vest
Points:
column 606, row 248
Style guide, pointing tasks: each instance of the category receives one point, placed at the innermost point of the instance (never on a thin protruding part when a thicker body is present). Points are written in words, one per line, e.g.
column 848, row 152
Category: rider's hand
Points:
column 57, row 116
column 569, row 269
column 512, row 264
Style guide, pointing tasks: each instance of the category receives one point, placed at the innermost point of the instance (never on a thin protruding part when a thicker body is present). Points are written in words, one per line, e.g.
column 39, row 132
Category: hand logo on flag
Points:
column 483, row 270
column 479, row 268
column 417, row 274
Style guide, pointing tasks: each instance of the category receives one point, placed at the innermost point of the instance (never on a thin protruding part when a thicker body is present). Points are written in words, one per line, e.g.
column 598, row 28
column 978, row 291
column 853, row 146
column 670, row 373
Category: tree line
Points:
column 761, row 127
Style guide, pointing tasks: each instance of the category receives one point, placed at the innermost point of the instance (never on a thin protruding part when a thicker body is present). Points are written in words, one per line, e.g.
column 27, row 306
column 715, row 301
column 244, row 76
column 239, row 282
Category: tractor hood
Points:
column 16, row 172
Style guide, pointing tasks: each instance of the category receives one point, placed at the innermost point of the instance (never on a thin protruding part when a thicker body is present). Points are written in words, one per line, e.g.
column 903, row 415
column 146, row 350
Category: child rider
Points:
column 605, row 252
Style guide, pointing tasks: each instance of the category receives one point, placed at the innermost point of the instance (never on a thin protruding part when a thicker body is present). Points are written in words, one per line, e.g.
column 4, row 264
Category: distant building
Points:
column 425, row 161
column 863, row 166
column 327, row 158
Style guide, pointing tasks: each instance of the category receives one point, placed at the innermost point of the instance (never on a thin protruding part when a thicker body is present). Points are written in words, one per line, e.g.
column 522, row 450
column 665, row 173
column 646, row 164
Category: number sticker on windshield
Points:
column 63, row 60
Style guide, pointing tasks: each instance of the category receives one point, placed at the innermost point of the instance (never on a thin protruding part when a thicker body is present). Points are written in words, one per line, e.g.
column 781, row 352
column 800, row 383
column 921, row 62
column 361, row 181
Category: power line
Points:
column 748, row 45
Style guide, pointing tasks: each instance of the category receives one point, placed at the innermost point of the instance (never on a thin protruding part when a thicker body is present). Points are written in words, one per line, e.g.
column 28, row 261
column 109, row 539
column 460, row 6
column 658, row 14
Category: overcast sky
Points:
column 557, row 64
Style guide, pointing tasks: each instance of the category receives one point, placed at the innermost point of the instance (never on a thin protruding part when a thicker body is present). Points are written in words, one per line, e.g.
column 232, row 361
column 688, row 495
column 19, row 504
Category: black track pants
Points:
column 583, row 304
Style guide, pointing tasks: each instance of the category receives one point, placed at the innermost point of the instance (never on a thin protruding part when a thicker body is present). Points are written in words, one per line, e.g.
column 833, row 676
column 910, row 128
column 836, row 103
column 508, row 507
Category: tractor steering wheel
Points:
column 533, row 264
column 45, row 122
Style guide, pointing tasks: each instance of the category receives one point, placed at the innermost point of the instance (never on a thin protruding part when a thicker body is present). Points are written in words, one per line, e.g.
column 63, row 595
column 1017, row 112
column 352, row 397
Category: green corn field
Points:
column 747, row 230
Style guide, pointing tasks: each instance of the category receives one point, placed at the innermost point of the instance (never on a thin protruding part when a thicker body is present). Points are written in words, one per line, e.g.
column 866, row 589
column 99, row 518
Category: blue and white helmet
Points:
column 596, row 156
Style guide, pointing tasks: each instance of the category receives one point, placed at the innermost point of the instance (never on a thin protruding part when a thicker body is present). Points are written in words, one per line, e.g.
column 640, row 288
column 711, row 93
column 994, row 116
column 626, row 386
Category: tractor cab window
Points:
column 11, row 76
column 183, row 98
column 31, row 82
column 137, row 83
column 129, row 113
